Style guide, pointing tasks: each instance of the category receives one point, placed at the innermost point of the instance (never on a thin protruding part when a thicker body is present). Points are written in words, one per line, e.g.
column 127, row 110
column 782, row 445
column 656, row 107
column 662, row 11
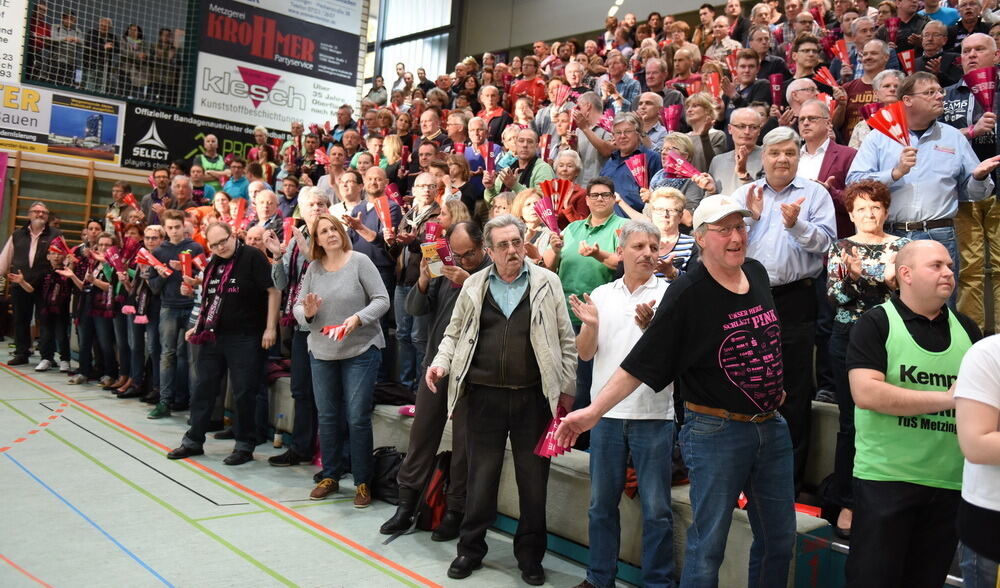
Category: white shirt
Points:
column 809, row 165
column 979, row 380
column 616, row 334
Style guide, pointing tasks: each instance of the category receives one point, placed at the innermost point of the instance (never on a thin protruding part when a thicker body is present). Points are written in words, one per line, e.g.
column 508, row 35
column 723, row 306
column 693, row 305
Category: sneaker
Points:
column 105, row 381
column 826, row 396
column 159, row 411
column 18, row 360
column 64, row 366
column 43, row 366
column 77, row 379
column 324, row 489
column 362, row 497
column 288, row 458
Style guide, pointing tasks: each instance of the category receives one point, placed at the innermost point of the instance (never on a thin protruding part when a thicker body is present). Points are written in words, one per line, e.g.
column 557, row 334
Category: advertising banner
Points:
column 338, row 14
column 269, row 68
column 155, row 137
column 13, row 16
column 45, row 121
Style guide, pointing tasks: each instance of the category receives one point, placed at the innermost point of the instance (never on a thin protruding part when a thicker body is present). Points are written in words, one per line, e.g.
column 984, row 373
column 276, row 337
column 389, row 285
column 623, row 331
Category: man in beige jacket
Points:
column 510, row 348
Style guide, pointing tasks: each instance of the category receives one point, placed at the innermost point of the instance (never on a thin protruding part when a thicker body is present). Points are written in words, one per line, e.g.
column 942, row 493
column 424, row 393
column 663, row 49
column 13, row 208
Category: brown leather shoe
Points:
column 362, row 496
column 324, row 489
column 121, row 389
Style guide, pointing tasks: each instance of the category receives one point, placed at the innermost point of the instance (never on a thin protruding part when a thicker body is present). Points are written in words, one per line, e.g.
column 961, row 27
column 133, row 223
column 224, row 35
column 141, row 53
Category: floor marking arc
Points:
column 24, row 572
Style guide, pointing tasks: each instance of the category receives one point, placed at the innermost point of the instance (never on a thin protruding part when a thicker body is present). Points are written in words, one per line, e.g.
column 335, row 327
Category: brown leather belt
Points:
column 920, row 225
column 732, row 416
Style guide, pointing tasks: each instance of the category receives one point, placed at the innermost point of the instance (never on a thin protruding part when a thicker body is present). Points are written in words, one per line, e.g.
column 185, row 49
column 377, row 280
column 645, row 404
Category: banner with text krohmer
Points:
column 270, row 67
column 39, row 120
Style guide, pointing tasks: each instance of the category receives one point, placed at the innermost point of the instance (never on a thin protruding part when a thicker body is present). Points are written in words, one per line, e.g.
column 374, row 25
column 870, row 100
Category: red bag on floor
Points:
column 434, row 499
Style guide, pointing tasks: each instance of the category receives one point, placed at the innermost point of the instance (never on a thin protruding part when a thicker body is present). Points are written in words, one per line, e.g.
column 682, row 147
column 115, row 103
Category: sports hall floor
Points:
column 87, row 498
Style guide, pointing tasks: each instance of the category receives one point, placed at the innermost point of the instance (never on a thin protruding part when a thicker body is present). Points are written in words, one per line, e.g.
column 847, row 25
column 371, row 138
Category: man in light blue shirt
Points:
column 619, row 90
column 935, row 10
column 925, row 197
column 791, row 227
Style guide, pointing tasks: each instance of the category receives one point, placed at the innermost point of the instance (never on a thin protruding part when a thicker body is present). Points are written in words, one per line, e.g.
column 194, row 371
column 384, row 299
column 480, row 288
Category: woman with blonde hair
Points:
column 693, row 189
column 700, row 112
column 536, row 238
column 342, row 289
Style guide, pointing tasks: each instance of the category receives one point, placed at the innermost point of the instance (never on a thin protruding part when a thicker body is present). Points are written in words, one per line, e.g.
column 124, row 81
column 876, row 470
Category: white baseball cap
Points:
column 715, row 208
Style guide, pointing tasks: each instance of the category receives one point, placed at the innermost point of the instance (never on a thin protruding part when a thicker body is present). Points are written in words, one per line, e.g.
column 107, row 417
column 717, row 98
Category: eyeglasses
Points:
column 810, row 90
column 812, row 119
column 814, row 51
column 40, row 211
column 425, row 186
column 929, row 93
column 745, row 127
column 219, row 244
column 666, row 211
column 727, row 231
column 463, row 256
column 623, row 133
column 505, row 245
column 932, row 35
column 601, row 196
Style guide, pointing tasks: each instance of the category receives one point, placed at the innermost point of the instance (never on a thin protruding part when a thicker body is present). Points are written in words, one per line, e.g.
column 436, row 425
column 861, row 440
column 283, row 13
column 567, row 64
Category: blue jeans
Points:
column 650, row 444
column 122, row 323
column 146, row 343
column 945, row 236
column 408, row 364
column 725, row 457
column 173, row 355
column 345, row 387
column 977, row 571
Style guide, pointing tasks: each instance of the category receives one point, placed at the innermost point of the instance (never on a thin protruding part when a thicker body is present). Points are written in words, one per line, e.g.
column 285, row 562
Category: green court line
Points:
column 280, row 515
column 245, row 556
column 230, row 515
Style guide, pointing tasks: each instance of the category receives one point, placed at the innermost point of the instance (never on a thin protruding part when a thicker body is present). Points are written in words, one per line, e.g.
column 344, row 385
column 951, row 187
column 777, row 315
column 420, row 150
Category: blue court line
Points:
column 89, row 520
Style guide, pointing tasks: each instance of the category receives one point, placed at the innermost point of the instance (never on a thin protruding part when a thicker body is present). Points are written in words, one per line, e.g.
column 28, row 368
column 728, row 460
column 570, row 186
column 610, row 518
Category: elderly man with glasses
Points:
column 930, row 176
column 627, row 137
column 26, row 256
column 509, row 353
column 791, row 228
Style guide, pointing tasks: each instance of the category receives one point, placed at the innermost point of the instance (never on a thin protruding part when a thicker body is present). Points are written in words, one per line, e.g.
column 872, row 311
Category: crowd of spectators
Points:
column 94, row 57
column 723, row 213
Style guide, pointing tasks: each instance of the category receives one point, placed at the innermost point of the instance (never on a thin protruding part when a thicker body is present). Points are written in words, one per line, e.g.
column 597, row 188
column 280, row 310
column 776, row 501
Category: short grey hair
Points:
column 488, row 87
column 628, row 118
column 38, row 203
column 822, row 106
column 591, row 98
column 504, row 220
column 883, row 75
column 798, row 84
column 781, row 135
column 573, row 156
column 313, row 193
column 478, row 119
column 746, row 110
column 860, row 20
column 883, row 45
column 635, row 227
column 182, row 179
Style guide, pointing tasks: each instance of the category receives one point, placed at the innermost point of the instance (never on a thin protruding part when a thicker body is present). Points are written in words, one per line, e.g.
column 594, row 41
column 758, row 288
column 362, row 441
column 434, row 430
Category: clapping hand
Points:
column 755, row 201
column 790, row 212
column 585, row 309
column 589, row 250
column 852, row 263
column 644, row 314
column 666, row 267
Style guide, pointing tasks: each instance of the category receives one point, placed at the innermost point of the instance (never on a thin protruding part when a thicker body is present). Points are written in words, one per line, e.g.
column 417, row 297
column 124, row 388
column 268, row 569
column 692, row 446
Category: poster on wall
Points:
column 155, row 137
column 344, row 15
column 39, row 120
column 270, row 68
column 13, row 16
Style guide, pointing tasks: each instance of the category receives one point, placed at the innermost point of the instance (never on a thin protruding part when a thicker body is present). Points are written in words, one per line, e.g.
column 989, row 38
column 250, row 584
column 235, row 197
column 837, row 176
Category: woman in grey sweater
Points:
column 342, row 288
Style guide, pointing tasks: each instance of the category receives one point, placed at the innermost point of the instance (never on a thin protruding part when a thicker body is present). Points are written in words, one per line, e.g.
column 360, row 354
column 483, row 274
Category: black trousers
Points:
column 494, row 415
column 24, row 310
column 425, row 437
column 241, row 355
column 796, row 307
column 301, row 384
column 903, row 535
column 840, row 491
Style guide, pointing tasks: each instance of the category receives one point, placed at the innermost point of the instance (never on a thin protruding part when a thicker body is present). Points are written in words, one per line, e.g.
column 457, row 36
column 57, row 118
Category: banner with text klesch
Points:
column 258, row 66
column 155, row 137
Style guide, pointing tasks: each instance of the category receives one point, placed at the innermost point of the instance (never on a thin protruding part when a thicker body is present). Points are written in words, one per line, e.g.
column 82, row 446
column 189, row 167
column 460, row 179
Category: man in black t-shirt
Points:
column 730, row 374
column 235, row 323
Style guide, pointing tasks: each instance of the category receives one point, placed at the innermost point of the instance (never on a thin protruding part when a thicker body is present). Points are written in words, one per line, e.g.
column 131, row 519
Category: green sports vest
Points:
column 208, row 165
column 920, row 449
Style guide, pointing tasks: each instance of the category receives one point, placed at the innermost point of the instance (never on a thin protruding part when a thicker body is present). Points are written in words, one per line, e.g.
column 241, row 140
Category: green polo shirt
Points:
column 581, row 274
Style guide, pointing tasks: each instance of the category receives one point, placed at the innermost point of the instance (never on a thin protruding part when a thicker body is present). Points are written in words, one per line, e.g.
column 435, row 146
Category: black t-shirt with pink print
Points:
column 723, row 348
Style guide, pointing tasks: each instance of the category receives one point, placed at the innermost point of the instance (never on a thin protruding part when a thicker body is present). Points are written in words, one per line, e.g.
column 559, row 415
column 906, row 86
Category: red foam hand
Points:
column 186, row 263
column 680, row 167
column 907, row 59
column 637, row 165
column 383, row 211
column 286, row 226
column 776, row 95
column 545, row 211
column 983, row 85
column 891, row 121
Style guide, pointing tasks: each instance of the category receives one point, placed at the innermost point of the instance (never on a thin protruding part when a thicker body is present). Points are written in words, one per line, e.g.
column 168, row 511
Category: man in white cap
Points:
column 733, row 437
